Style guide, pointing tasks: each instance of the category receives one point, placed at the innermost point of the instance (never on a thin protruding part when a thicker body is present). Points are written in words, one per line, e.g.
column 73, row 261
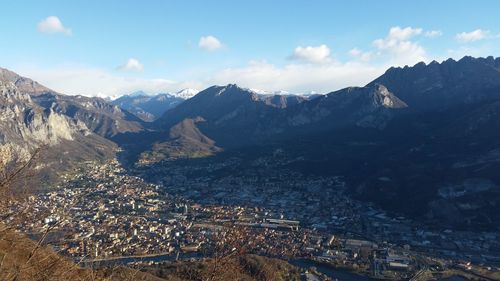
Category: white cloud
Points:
column 319, row 54
column 468, row 50
column 209, row 43
column 358, row 54
column 402, row 34
column 52, row 24
column 91, row 81
column 396, row 35
column 131, row 65
column 398, row 47
column 476, row 35
column 296, row 78
column 433, row 33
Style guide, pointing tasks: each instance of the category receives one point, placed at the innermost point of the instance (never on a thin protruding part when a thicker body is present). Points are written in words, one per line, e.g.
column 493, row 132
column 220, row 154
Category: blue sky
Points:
column 111, row 47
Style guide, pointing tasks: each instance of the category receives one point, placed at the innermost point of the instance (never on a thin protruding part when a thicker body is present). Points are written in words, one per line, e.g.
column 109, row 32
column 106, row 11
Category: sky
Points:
column 110, row 48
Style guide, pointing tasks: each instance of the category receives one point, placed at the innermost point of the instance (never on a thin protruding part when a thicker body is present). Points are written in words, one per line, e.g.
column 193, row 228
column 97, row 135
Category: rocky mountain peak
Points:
column 439, row 85
column 148, row 108
column 22, row 121
column 382, row 96
column 228, row 92
column 186, row 93
column 24, row 84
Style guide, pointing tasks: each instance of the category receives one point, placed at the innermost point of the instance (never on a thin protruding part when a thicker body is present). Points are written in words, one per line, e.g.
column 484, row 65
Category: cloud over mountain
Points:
column 399, row 46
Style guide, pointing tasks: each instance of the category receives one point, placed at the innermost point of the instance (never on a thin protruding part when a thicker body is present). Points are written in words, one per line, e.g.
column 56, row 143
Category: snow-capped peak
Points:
column 270, row 93
column 259, row 91
column 281, row 93
column 106, row 97
column 307, row 94
column 186, row 93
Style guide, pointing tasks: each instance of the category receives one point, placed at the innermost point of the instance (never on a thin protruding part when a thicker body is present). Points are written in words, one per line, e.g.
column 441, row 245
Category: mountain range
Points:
column 151, row 107
column 421, row 140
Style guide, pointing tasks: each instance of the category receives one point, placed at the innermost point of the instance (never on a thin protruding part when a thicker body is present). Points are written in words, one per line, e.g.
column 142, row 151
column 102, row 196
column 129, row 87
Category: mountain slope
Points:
column 148, row 108
column 233, row 117
column 26, row 126
column 447, row 139
column 371, row 106
column 282, row 101
column 100, row 117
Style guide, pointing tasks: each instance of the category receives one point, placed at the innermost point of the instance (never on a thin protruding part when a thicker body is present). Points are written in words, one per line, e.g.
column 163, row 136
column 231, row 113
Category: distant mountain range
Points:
column 150, row 107
column 422, row 140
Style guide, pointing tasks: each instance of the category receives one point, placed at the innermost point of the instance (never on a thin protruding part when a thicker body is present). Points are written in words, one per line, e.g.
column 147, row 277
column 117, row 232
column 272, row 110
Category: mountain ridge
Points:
column 146, row 107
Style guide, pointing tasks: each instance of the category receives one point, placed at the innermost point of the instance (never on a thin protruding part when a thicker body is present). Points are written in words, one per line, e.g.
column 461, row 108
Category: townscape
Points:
column 104, row 214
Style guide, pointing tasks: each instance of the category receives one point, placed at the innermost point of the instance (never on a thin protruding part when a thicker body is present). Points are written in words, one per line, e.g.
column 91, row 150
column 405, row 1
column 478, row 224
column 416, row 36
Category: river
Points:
column 128, row 260
column 330, row 271
column 345, row 275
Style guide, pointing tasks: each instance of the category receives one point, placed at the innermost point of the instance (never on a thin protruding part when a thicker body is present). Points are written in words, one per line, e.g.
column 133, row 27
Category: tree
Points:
column 16, row 172
column 20, row 257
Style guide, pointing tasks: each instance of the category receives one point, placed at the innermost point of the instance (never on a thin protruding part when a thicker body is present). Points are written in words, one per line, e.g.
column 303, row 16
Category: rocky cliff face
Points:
column 99, row 116
column 25, row 126
column 372, row 106
column 24, row 122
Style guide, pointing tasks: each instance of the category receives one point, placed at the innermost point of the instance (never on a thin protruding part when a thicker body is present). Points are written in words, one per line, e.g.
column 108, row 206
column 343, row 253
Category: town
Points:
column 102, row 213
